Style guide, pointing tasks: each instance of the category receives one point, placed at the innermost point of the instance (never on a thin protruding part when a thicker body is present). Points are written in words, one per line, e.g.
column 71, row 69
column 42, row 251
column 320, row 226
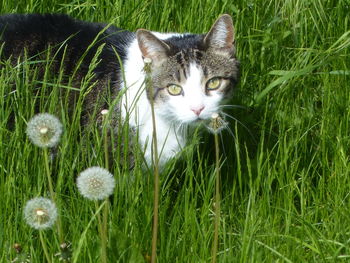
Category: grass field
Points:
column 285, row 165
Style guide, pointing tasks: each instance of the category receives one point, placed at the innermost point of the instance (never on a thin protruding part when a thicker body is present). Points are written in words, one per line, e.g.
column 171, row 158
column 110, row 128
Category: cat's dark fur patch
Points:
column 34, row 33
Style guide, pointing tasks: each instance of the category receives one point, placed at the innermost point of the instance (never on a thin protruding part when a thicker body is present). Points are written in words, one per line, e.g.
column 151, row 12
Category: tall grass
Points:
column 285, row 167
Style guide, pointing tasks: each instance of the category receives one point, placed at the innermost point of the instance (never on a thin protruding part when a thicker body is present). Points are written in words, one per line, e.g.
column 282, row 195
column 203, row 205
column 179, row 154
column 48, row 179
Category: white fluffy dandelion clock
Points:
column 44, row 130
column 40, row 213
column 96, row 183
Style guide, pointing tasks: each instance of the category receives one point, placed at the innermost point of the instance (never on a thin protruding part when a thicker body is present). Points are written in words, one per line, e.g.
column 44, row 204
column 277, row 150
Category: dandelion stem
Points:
column 104, row 234
column 53, row 195
column 103, row 228
column 98, row 215
column 217, row 199
column 43, row 244
column 148, row 83
column 105, row 137
column 48, row 173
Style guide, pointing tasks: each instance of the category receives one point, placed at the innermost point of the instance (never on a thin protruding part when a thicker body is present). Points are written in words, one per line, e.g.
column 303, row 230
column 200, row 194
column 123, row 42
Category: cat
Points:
column 191, row 74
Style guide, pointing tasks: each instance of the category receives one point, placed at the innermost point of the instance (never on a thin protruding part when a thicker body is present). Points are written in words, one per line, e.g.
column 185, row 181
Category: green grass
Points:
column 285, row 172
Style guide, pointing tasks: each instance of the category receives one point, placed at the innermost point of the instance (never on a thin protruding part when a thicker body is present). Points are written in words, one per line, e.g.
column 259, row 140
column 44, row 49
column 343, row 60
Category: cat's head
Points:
column 192, row 74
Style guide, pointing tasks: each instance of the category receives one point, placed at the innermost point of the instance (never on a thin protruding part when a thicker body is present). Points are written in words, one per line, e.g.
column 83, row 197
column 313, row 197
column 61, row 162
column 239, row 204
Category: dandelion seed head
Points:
column 17, row 247
column 40, row 213
column 21, row 257
column 65, row 253
column 95, row 183
column 44, row 130
column 216, row 124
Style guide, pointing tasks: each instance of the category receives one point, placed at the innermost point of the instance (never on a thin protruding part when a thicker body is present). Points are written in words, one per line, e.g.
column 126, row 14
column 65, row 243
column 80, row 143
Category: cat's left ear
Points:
column 151, row 46
column 220, row 38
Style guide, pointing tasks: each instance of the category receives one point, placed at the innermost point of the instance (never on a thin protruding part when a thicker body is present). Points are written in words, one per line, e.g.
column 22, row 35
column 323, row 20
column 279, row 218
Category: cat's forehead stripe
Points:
column 205, row 71
column 180, row 74
column 184, row 59
column 184, row 72
column 186, row 56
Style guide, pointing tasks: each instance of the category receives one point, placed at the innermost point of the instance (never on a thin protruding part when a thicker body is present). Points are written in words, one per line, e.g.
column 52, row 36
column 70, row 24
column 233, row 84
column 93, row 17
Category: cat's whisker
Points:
column 222, row 143
column 179, row 129
column 233, row 106
column 231, row 132
column 241, row 123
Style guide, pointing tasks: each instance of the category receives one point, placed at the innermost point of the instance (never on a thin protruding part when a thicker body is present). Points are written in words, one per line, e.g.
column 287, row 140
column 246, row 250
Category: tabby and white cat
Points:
column 191, row 74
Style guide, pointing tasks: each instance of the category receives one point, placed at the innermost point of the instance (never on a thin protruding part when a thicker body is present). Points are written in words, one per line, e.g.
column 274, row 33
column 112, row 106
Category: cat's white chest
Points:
column 169, row 141
column 136, row 108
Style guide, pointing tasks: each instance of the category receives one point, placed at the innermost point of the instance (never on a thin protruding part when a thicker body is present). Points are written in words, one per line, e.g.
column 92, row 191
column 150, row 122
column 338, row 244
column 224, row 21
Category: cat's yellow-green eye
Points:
column 213, row 83
column 174, row 89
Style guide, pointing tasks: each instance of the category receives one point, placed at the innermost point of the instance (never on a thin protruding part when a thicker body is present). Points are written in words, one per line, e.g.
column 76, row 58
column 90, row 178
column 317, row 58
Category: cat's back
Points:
column 28, row 23
column 48, row 27
column 36, row 32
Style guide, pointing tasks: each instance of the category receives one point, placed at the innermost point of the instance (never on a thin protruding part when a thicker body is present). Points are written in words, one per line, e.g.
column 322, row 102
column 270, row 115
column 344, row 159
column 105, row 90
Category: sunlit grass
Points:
column 285, row 172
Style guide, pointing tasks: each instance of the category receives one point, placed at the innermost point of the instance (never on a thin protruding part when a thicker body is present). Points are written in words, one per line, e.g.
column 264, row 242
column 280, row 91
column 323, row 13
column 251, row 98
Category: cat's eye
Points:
column 213, row 83
column 174, row 89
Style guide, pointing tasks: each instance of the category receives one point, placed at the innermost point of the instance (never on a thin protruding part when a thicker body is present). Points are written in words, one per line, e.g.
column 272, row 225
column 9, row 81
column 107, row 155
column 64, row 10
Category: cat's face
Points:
column 191, row 74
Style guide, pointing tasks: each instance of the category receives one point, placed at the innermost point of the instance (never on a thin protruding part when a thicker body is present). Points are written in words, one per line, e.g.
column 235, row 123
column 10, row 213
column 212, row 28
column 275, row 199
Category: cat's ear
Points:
column 220, row 38
column 151, row 46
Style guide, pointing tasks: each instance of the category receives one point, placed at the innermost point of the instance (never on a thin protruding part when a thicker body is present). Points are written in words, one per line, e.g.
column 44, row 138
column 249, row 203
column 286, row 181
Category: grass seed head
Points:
column 96, row 183
column 44, row 130
column 40, row 213
column 104, row 112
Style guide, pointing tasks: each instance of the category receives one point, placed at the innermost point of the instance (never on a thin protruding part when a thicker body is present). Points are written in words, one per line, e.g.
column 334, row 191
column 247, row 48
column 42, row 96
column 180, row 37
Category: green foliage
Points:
column 285, row 171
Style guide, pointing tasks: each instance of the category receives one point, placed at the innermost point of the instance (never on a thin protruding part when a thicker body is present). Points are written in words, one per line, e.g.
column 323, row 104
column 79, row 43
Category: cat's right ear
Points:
column 151, row 46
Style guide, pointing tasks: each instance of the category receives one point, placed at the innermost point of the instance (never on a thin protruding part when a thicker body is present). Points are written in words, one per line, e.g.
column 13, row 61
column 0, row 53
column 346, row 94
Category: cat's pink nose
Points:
column 197, row 110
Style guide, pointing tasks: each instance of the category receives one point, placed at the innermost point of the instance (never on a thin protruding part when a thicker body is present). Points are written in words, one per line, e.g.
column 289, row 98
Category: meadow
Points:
column 285, row 184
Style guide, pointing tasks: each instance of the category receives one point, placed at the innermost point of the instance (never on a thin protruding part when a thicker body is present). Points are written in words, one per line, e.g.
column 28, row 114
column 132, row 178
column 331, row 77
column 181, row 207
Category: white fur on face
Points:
column 183, row 108
column 136, row 106
column 170, row 114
